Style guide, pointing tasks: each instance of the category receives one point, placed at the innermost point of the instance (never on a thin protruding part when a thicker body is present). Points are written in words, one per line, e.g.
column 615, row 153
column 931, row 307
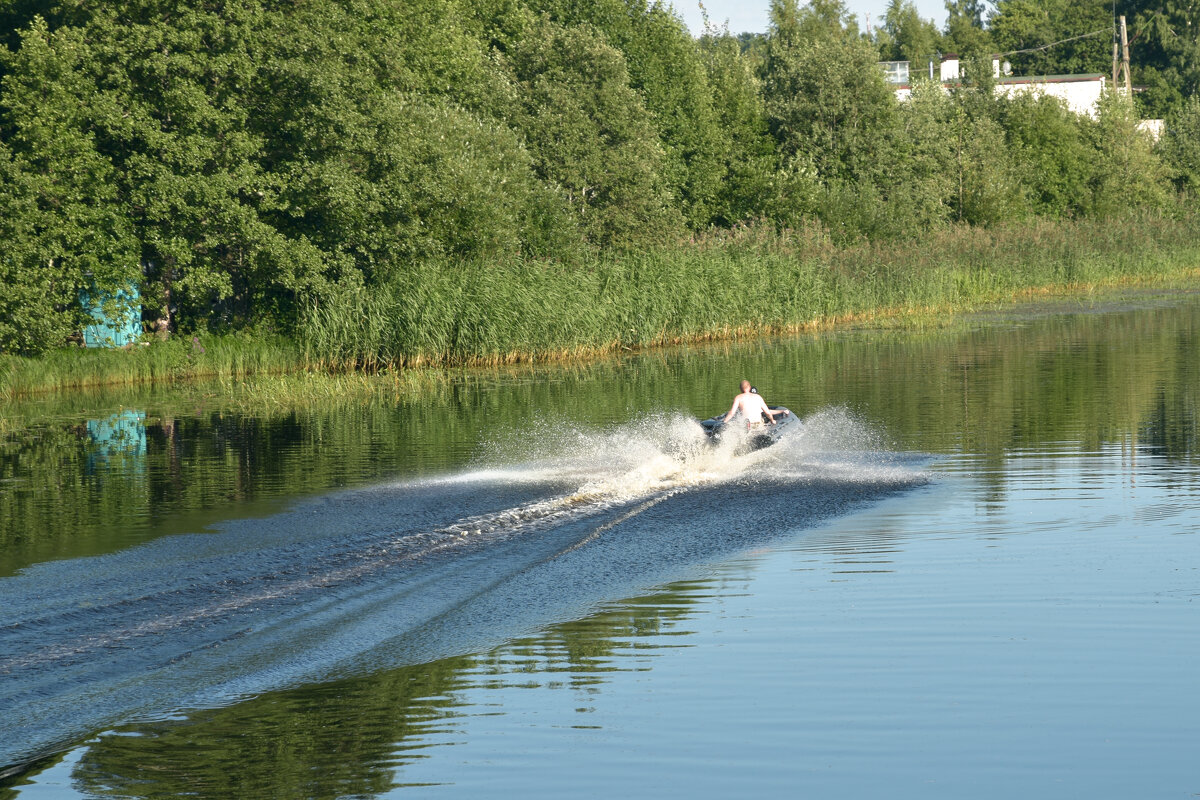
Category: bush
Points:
column 1180, row 147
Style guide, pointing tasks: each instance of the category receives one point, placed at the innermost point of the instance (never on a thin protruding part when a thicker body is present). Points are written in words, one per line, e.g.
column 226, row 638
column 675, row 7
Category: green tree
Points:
column 61, row 231
column 1180, row 147
column 952, row 161
column 251, row 154
column 39, row 281
column 964, row 33
column 179, row 133
column 589, row 134
column 159, row 89
column 665, row 67
column 826, row 97
column 986, row 186
column 925, row 161
column 1029, row 25
column 1165, row 53
column 377, row 174
column 905, row 36
column 1129, row 173
column 749, row 188
column 1053, row 149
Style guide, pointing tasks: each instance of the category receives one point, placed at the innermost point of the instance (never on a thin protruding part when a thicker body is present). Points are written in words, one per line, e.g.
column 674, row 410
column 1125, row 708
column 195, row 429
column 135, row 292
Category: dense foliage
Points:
column 258, row 164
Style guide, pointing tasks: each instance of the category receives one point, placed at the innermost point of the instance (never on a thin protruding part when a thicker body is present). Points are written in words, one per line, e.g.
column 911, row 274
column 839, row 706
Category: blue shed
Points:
column 117, row 316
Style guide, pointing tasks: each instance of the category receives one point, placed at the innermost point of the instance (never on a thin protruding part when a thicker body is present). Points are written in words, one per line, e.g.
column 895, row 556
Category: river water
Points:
column 973, row 571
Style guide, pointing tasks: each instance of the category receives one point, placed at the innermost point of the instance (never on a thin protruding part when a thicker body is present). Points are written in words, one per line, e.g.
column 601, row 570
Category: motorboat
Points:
column 757, row 436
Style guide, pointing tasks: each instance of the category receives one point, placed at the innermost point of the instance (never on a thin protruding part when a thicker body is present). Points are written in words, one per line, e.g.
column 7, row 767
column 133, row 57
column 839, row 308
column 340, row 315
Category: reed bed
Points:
column 183, row 358
column 741, row 283
column 746, row 282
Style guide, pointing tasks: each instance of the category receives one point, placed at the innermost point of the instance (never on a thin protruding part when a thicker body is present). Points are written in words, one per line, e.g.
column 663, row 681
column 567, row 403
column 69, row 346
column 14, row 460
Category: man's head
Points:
column 745, row 386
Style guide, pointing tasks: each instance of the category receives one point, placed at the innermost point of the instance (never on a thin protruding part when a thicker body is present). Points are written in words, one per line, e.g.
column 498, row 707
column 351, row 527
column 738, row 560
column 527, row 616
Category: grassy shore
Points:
column 745, row 283
column 182, row 358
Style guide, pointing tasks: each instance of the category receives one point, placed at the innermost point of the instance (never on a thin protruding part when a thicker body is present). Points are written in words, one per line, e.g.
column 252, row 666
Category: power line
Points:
column 1062, row 41
column 1045, row 46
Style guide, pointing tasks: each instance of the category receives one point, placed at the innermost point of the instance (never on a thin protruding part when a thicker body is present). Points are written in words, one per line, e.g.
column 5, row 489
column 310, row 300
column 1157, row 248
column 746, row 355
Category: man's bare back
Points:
column 751, row 406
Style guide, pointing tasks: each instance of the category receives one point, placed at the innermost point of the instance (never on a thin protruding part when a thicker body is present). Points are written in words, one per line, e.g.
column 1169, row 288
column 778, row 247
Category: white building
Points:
column 1081, row 93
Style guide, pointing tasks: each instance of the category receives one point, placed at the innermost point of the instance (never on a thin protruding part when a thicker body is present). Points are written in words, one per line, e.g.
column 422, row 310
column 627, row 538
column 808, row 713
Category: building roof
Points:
column 1085, row 76
column 1016, row 80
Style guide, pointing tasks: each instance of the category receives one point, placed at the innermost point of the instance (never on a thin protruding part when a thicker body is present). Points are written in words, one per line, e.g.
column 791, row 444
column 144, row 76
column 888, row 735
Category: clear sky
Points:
column 751, row 15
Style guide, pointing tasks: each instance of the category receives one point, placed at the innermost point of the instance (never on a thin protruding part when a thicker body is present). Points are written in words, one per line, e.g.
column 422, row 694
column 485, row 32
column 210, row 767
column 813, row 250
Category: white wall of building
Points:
column 1152, row 128
column 949, row 69
column 1080, row 93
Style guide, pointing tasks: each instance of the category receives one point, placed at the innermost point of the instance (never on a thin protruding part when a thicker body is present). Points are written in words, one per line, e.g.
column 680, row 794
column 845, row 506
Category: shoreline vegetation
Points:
column 735, row 284
column 371, row 186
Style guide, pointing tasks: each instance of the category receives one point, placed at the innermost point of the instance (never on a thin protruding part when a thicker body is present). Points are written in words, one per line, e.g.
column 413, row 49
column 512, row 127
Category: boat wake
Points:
column 548, row 523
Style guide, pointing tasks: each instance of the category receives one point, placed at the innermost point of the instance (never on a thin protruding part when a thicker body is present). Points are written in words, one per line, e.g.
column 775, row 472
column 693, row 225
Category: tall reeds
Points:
column 735, row 283
column 181, row 358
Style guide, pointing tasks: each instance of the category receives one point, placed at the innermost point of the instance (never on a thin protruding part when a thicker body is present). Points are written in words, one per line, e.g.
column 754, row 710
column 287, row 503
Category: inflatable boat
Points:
column 757, row 436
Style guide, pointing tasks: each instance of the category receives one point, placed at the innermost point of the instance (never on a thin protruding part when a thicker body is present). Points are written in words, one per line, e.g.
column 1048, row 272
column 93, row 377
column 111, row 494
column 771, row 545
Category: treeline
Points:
column 250, row 164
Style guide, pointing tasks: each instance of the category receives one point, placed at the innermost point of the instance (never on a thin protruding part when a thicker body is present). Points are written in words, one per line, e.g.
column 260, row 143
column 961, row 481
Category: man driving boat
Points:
column 752, row 407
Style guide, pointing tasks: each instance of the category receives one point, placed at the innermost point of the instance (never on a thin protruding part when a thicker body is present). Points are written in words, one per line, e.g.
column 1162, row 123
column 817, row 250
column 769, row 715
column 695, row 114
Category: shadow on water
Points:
column 547, row 529
column 353, row 737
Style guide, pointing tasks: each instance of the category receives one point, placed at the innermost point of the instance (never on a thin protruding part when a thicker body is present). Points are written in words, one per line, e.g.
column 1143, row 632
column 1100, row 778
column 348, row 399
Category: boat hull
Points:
column 757, row 437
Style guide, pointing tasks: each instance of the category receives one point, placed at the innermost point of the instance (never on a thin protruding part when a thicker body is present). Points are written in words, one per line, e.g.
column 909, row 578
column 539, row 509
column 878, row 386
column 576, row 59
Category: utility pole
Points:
column 1114, row 72
column 1124, row 70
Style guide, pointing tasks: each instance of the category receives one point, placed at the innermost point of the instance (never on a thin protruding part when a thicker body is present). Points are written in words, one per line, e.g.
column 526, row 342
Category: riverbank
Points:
column 750, row 282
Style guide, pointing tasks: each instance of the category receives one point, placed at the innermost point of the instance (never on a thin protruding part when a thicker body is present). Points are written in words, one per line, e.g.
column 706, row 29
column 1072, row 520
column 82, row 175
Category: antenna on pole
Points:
column 1115, row 37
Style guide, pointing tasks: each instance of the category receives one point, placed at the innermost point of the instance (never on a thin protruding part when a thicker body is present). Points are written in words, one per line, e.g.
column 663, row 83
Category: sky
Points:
column 751, row 15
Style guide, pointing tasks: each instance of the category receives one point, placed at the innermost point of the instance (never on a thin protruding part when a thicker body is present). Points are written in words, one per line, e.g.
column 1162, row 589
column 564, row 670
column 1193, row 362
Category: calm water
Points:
column 973, row 573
